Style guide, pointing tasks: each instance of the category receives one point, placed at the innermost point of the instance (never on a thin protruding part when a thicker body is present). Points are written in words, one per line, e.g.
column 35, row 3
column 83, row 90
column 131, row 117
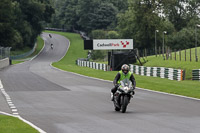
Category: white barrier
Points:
column 169, row 73
column 94, row 65
column 4, row 63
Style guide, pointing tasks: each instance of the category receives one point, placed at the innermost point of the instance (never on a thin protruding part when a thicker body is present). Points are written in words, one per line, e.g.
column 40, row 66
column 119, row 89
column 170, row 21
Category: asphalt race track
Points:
column 63, row 102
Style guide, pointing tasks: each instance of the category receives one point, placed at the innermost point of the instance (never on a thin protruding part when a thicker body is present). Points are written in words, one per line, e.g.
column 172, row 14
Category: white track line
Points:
column 15, row 111
column 12, row 106
column 39, row 52
column 19, row 117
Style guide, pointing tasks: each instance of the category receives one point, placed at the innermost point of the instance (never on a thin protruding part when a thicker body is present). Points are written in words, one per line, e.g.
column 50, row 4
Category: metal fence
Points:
column 24, row 55
column 82, row 34
column 167, row 53
column 4, row 52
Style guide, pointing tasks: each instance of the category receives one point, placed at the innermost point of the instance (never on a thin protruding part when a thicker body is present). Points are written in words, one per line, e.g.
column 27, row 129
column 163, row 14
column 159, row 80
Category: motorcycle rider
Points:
column 124, row 73
column 51, row 46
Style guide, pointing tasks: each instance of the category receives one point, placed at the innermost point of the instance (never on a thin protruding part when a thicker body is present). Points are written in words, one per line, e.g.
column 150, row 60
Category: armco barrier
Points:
column 4, row 63
column 162, row 72
column 94, row 65
column 196, row 74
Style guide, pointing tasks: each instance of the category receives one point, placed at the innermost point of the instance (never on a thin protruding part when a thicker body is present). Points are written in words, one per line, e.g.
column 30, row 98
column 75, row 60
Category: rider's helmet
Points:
column 125, row 68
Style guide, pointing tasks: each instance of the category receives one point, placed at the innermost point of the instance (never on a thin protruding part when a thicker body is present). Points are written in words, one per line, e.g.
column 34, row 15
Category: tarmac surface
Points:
column 63, row 102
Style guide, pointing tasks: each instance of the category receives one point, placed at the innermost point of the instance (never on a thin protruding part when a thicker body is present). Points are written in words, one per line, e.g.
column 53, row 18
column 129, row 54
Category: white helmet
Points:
column 125, row 68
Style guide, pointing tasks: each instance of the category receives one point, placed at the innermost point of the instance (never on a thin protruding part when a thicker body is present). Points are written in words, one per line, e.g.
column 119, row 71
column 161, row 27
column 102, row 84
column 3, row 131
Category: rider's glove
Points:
column 116, row 85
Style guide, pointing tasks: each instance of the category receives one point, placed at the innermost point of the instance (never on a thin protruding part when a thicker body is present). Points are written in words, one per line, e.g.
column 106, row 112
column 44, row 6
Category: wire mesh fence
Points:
column 4, row 52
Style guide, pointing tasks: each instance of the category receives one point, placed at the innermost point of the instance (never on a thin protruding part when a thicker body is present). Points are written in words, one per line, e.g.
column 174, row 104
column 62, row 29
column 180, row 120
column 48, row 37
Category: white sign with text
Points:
column 109, row 44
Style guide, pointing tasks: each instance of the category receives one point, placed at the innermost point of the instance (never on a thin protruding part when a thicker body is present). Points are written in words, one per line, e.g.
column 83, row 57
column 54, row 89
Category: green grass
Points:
column 40, row 44
column 180, row 56
column 19, row 51
column 16, row 61
column 186, row 88
column 10, row 124
column 185, row 65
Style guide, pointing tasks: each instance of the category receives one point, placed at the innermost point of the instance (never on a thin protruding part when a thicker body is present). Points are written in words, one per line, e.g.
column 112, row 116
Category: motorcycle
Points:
column 51, row 46
column 123, row 95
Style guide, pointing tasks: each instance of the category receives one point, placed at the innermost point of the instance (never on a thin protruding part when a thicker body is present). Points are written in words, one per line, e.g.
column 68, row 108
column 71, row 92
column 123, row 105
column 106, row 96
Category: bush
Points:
column 98, row 34
column 112, row 35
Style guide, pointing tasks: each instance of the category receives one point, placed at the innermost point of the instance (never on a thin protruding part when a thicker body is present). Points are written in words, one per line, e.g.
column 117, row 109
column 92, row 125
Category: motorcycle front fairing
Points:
column 125, row 88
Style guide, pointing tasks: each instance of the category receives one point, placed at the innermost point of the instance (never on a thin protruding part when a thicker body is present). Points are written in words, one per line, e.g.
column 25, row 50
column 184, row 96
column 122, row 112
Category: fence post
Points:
column 145, row 52
column 171, row 54
column 175, row 54
column 185, row 54
column 190, row 55
column 1, row 52
column 137, row 52
column 180, row 54
column 155, row 52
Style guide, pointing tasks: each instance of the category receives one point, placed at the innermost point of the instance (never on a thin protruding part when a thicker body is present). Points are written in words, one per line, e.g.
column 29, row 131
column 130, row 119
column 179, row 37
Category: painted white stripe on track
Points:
column 1, row 86
column 14, row 110
column 29, row 123
column 11, row 104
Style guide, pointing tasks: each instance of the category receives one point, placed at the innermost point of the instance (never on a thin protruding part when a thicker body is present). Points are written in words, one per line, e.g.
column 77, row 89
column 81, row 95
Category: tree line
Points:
column 136, row 19
column 21, row 21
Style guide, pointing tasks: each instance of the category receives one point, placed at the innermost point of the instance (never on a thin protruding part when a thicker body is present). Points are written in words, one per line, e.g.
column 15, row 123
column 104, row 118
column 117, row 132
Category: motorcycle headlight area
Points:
column 126, row 89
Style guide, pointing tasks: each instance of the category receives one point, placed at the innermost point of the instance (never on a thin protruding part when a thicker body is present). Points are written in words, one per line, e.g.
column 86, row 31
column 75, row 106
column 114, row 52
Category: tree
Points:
column 98, row 34
column 102, row 16
column 182, row 39
column 96, row 14
column 140, row 22
column 29, row 15
column 21, row 21
column 68, row 15
column 121, row 5
column 180, row 12
column 9, row 37
column 112, row 35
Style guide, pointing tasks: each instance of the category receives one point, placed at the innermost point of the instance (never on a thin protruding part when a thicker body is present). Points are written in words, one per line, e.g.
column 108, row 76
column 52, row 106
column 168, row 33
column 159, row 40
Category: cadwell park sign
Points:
column 108, row 44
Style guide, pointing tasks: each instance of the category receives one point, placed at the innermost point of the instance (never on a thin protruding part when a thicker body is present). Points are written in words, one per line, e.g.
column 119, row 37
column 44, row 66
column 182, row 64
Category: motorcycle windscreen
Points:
column 126, row 82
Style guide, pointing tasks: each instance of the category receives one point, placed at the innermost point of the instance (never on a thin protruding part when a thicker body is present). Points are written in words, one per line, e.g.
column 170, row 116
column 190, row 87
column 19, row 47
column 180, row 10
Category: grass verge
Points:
column 10, row 124
column 19, row 51
column 186, row 88
column 40, row 44
column 185, row 65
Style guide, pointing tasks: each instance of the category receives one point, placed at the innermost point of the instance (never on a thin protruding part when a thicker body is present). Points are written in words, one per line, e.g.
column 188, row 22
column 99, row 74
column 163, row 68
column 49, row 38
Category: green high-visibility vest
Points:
column 123, row 76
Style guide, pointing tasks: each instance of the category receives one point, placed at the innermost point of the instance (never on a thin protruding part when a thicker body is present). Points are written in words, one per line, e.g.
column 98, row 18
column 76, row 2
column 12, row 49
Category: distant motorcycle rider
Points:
column 124, row 73
column 51, row 46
